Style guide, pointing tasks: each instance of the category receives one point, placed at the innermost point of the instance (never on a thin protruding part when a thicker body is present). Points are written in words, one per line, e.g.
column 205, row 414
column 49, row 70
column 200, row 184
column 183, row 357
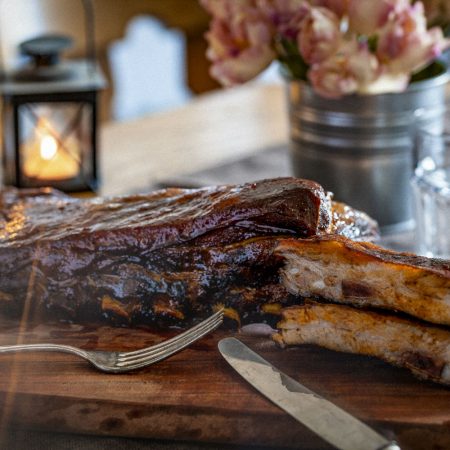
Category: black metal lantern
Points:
column 50, row 115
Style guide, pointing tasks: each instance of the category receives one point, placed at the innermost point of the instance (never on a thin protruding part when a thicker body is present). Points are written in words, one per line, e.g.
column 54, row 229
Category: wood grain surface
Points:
column 196, row 396
column 211, row 130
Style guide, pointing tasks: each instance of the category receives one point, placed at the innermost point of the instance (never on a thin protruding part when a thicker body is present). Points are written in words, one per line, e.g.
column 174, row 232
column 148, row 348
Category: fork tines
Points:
column 159, row 351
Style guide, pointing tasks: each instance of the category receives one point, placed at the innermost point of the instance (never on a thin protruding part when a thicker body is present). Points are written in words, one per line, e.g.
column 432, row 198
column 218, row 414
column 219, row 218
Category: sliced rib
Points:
column 423, row 349
column 363, row 274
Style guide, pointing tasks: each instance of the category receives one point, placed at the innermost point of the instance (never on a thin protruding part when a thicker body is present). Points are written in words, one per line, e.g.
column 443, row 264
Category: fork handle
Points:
column 43, row 348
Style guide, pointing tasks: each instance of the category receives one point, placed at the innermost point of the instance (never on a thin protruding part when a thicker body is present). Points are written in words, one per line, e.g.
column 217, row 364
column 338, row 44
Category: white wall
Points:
column 25, row 19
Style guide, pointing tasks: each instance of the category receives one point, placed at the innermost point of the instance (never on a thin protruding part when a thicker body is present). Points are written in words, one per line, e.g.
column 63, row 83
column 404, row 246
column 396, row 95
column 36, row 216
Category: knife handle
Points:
column 391, row 446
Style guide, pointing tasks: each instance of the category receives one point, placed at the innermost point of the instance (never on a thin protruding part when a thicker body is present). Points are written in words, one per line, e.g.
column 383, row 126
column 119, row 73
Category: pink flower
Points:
column 341, row 46
column 404, row 43
column 319, row 35
column 365, row 16
column 351, row 69
column 339, row 7
column 285, row 15
column 386, row 82
column 240, row 41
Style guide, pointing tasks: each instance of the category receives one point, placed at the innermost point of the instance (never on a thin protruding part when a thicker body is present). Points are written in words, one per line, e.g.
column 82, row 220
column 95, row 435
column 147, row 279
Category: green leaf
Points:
column 372, row 43
column 292, row 64
column 434, row 69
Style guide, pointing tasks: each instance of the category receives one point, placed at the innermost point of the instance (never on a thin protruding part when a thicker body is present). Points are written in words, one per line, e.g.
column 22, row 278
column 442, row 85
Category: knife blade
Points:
column 321, row 416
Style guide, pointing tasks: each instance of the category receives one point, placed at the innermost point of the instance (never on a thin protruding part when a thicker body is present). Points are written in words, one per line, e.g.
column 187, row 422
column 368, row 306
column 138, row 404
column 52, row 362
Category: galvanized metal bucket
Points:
column 361, row 147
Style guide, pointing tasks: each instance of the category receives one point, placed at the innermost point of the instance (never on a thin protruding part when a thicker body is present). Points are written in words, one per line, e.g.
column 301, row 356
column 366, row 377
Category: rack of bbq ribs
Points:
column 279, row 251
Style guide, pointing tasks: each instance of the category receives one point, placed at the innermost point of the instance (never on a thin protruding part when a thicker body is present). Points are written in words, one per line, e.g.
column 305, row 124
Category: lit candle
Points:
column 44, row 159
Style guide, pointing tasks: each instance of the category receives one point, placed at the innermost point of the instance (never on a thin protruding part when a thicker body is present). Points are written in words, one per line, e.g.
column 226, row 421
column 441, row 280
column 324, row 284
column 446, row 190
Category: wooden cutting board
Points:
column 196, row 396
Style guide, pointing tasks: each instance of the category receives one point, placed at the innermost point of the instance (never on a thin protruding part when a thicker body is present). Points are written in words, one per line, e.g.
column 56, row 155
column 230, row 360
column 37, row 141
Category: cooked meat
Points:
column 167, row 286
column 363, row 274
column 165, row 256
column 351, row 223
column 423, row 349
column 173, row 216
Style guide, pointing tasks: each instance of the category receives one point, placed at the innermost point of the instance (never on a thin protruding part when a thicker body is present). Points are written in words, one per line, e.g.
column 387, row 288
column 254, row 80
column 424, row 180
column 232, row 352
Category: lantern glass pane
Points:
column 55, row 144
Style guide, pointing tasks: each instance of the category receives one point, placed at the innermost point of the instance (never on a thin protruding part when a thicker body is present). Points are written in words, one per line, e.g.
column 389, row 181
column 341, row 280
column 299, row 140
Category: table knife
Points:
column 324, row 418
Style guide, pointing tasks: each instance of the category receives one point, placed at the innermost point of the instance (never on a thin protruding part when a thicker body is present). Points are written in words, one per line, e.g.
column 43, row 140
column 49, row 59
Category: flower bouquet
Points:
column 340, row 47
column 333, row 54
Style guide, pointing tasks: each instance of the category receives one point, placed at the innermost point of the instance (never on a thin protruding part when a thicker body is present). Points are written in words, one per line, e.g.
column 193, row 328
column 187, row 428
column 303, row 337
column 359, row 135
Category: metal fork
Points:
column 116, row 362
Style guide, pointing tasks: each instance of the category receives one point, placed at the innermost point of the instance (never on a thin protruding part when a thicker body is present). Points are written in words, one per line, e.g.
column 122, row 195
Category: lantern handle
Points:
column 89, row 26
column 89, row 19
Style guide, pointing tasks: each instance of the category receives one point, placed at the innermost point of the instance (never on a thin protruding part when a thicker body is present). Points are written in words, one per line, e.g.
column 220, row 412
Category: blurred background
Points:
column 151, row 51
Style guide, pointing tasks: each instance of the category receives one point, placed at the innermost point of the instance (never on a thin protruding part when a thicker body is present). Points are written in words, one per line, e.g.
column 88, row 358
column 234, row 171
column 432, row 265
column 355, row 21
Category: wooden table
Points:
column 196, row 396
column 211, row 130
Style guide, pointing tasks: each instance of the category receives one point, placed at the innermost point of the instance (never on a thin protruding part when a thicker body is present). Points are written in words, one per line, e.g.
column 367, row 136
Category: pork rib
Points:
column 363, row 274
column 423, row 349
column 167, row 217
column 161, row 257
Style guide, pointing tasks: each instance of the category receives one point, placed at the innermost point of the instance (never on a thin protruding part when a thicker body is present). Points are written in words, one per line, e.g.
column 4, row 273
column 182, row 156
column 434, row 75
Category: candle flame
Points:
column 48, row 147
column 50, row 157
